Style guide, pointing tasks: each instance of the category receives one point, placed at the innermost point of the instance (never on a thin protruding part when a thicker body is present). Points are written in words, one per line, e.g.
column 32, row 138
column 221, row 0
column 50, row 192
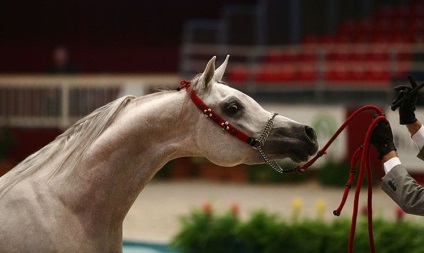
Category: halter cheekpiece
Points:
column 226, row 126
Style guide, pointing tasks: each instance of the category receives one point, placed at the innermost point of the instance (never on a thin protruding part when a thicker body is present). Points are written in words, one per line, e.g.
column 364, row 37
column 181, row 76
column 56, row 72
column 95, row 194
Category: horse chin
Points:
column 295, row 149
column 300, row 158
column 296, row 158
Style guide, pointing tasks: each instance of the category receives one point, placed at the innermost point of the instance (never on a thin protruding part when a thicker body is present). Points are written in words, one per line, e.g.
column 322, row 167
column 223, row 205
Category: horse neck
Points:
column 149, row 132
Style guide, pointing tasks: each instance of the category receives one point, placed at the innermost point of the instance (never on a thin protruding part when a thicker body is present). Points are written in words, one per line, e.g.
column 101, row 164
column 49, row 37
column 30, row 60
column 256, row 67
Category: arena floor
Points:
column 154, row 217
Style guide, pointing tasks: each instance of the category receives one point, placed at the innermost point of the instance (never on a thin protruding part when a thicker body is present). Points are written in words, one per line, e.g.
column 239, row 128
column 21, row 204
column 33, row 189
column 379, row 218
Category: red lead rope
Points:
column 363, row 153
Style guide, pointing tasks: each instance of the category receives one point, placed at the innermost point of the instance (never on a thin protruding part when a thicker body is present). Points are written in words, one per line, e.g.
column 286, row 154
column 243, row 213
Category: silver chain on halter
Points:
column 262, row 139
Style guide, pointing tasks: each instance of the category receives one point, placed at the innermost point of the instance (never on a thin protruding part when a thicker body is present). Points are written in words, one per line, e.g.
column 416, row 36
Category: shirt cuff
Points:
column 391, row 163
column 418, row 138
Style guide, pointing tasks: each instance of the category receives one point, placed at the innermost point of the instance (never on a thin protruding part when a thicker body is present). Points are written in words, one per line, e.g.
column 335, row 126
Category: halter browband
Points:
column 225, row 125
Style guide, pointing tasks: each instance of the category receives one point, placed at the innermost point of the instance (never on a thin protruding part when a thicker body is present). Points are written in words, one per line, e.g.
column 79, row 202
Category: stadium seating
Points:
column 374, row 50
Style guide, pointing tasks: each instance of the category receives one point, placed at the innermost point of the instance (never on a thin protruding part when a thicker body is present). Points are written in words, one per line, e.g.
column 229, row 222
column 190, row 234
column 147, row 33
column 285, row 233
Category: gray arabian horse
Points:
column 73, row 194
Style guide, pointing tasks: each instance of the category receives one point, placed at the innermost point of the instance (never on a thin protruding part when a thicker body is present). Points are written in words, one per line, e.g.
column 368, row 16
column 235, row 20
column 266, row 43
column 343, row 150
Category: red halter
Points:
column 218, row 119
column 256, row 143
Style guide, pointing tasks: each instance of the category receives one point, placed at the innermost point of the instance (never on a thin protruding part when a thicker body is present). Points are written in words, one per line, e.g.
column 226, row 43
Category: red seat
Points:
column 337, row 73
column 404, row 56
column 326, row 39
column 286, row 73
column 308, row 57
column 360, row 56
column 378, row 56
column 273, row 74
column 361, row 38
column 378, row 74
column 400, row 37
column 282, row 56
column 342, row 38
column 238, row 74
column 307, row 73
column 380, row 38
column 358, row 73
column 289, row 56
column 272, row 58
column 265, row 74
column 402, row 70
column 338, row 56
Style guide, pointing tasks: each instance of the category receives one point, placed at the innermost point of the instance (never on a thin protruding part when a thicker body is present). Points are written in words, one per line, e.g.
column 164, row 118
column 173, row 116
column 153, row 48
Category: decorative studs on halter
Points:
column 224, row 126
column 208, row 112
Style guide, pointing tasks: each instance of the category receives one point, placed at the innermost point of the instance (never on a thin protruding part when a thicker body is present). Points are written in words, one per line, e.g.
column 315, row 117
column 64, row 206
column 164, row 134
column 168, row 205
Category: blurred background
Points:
column 315, row 61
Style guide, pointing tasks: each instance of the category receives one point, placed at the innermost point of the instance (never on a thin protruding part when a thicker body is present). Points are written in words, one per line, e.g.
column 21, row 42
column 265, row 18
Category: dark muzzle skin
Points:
column 297, row 142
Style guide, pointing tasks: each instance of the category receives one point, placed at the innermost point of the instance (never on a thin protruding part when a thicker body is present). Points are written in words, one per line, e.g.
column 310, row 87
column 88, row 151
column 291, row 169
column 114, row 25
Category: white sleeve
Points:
column 418, row 138
column 391, row 163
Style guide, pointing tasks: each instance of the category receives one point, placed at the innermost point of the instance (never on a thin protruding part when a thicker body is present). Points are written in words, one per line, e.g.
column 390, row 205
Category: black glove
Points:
column 382, row 138
column 408, row 106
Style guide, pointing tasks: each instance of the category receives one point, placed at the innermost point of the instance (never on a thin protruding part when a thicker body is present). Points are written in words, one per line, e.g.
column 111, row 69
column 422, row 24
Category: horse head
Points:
column 286, row 139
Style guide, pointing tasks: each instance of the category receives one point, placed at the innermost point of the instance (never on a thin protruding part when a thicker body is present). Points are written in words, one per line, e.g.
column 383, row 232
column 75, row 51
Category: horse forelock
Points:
column 70, row 145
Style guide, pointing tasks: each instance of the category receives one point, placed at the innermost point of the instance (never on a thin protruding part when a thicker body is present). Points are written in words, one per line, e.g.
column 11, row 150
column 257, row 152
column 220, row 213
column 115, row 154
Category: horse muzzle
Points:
column 297, row 142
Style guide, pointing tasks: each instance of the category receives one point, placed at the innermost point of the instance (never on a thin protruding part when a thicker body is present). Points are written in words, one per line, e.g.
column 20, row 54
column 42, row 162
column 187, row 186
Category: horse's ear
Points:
column 209, row 73
column 219, row 72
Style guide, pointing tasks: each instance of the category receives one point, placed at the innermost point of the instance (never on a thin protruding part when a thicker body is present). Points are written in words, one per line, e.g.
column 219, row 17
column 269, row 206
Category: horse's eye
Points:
column 232, row 108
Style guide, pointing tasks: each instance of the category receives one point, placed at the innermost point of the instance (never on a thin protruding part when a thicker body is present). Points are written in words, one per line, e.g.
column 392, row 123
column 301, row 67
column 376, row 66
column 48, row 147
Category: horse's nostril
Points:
column 310, row 132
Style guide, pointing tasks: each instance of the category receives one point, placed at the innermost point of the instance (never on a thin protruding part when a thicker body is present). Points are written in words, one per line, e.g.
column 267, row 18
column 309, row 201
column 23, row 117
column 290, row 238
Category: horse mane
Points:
column 69, row 146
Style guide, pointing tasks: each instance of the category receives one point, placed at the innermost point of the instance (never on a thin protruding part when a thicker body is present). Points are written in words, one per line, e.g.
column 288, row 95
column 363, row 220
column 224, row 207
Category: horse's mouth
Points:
column 295, row 150
column 300, row 159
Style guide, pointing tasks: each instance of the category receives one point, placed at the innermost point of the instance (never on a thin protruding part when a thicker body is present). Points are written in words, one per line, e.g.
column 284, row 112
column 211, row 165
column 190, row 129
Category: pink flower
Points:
column 207, row 208
column 235, row 209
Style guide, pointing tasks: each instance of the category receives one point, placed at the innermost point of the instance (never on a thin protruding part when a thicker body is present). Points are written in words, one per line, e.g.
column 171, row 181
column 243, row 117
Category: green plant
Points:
column 7, row 142
column 164, row 172
column 336, row 173
column 203, row 231
column 253, row 236
column 333, row 173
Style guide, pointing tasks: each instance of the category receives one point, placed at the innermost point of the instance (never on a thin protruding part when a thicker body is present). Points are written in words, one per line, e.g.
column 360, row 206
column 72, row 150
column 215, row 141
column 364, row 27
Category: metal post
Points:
column 64, row 105
column 319, row 85
column 332, row 15
column 295, row 23
column 261, row 24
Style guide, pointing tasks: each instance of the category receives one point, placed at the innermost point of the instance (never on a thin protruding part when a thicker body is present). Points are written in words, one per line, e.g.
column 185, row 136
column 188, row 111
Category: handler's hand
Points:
column 382, row 138
column 408, row 106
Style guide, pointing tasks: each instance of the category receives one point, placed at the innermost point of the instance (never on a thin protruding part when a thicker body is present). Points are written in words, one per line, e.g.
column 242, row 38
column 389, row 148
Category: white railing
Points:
column 58, row 101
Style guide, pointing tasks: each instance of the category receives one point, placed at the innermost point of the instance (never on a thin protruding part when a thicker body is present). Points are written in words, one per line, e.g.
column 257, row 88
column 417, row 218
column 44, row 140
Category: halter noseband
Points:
column 226, row 126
